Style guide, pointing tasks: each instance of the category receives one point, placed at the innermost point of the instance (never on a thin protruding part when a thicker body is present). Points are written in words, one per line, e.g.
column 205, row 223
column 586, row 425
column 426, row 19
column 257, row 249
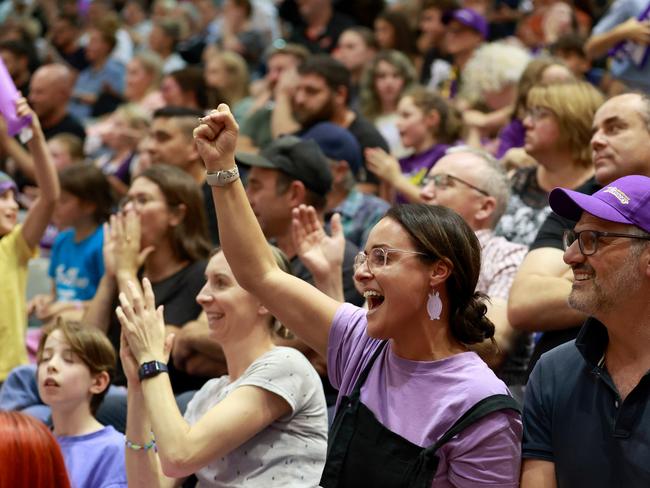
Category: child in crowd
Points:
column 427, row 124
column 18, row 243
column 76, row 262
column 75, row 363
column 66, row 149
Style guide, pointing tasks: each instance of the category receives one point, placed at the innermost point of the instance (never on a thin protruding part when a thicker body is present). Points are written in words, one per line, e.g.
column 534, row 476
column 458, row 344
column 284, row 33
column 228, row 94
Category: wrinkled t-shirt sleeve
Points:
column 349, row 347
column 285, row 372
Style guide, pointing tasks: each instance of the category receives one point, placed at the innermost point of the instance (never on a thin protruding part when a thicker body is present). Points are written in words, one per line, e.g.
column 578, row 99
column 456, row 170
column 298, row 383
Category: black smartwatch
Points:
column 151, row 369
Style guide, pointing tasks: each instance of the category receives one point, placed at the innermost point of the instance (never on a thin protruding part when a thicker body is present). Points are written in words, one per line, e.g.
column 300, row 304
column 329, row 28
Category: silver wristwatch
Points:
column 223, row 177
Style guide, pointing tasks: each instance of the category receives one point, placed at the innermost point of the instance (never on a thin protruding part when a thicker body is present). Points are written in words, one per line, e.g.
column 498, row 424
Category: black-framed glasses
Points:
column 444, row 180
column 588, row 239
column 378, row 257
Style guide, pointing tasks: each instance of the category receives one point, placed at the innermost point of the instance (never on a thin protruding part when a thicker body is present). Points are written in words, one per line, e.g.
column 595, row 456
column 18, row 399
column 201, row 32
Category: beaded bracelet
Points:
column 137, row 447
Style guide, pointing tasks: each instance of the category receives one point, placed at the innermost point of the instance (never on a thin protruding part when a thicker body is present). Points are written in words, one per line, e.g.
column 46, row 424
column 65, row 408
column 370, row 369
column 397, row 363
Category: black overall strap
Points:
column 424, row 471
column 366, row 371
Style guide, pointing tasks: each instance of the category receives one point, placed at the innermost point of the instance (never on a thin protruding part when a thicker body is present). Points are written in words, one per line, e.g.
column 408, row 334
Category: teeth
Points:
column 371, row 293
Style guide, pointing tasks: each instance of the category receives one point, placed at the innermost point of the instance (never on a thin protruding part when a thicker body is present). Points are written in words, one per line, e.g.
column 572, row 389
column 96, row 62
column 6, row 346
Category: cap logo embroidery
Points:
column 620, row 196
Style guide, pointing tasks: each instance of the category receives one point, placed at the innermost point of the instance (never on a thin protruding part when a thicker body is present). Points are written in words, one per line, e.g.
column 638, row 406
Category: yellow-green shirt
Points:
column 14, row 256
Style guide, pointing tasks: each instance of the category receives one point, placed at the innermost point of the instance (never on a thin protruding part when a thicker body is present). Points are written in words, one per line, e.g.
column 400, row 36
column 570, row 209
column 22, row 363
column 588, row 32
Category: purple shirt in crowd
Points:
column 512, row 135
column 421, row 400
column 417, row 166
column 95, row 460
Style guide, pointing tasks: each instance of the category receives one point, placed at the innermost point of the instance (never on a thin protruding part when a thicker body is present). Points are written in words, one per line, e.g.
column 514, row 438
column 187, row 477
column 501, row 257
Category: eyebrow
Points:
column 607, row 121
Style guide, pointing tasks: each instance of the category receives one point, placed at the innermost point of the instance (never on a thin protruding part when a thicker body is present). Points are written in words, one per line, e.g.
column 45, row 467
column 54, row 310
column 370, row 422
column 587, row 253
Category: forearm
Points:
column 409, row 190
column 539, row 303
column 21, row 157
column 142, row 467
column 99, row 309
column 598, row 45
column 45, row 173
column 282, row 121
column 330, row 283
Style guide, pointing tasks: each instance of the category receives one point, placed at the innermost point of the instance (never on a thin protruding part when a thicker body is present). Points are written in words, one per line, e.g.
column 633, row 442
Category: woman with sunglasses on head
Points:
column 403, row 368
column 557, row 121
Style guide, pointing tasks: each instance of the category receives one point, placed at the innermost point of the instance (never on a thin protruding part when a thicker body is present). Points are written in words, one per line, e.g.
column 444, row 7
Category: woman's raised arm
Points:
column 298, row 305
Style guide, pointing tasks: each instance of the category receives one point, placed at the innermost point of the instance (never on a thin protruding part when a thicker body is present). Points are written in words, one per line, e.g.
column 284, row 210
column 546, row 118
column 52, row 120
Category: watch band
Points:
column 222, row 177
column 151, row 369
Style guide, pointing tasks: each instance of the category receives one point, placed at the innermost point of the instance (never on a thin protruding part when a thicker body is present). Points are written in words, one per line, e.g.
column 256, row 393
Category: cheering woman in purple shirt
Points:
column 416, row 407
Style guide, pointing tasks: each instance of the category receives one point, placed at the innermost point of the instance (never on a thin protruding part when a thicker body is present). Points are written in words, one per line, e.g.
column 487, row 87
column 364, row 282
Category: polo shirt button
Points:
column 616, row 403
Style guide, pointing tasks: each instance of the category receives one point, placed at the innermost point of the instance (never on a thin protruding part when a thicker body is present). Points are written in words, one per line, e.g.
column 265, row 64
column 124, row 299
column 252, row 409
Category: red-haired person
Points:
column 34, row 455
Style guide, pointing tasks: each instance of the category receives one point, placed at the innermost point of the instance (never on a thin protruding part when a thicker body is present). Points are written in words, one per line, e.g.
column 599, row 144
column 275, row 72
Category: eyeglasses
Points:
column 538, row 113
column 138, row 201
column 378, row 257
column 588, row 239
column 444, row 180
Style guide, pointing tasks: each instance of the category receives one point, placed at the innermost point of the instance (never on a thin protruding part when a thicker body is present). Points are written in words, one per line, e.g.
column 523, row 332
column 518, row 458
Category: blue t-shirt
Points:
column 91, row 81
column 95, row 460
column 77, row 267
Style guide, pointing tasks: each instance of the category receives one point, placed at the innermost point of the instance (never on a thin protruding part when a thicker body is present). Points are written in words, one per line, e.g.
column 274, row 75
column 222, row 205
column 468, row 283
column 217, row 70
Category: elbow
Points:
column 176, row 464
column 519, row 315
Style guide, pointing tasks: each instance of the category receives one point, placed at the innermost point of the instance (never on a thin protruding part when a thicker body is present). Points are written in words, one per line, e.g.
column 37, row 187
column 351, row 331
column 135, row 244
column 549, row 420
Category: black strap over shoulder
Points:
column 488, row 405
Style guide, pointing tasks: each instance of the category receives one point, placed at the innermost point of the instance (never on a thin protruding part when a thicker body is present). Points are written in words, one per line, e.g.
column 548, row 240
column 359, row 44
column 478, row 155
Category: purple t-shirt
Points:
column 95, row 460
column 421, row 400
column 417, row 166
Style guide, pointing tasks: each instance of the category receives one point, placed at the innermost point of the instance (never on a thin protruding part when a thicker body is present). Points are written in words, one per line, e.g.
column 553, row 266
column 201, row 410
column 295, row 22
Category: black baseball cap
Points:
column 300, row 159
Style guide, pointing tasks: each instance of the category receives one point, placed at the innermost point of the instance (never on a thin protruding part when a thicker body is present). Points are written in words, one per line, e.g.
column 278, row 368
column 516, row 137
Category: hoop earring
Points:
column 434, row 306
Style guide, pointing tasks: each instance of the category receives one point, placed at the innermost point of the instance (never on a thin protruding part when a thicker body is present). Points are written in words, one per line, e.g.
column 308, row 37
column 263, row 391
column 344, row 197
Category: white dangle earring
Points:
column 434, row 306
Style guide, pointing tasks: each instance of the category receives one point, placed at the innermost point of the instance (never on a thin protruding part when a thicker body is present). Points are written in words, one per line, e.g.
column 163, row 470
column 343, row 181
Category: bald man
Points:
column 49, row 93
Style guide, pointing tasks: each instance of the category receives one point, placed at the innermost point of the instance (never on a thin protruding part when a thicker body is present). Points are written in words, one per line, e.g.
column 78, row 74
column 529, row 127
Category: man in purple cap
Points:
column 587, row 407
column 466, row 31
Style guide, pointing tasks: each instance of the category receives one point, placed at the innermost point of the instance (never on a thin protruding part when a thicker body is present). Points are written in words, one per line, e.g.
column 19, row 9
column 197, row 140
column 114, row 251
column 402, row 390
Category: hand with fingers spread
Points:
column 216, row 138
column 122, row 253
column 321, row 254
column 382, row 164
column 143, row 324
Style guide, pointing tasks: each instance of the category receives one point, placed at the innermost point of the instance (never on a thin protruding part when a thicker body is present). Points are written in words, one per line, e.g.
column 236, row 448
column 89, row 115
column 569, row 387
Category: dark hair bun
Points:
column 470, row 324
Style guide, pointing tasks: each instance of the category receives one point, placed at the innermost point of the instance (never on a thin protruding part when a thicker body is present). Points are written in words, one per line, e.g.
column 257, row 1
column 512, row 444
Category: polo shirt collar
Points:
column 592, row 341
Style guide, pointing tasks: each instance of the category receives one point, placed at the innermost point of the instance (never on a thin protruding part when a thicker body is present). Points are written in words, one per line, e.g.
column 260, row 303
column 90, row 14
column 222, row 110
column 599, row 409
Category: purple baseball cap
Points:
column 470, row 18
column 6, row 183
column 626, row 200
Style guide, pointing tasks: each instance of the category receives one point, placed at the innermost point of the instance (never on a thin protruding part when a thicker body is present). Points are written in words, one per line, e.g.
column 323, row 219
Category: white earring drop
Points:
column 434, row 306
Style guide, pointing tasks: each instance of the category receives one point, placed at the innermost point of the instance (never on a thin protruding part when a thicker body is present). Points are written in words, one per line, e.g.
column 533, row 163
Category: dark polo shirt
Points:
column 574, row 417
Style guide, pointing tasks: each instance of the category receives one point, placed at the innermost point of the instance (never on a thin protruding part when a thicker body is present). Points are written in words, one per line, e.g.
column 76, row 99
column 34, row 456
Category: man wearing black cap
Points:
column 288, row 173
column 587, row 407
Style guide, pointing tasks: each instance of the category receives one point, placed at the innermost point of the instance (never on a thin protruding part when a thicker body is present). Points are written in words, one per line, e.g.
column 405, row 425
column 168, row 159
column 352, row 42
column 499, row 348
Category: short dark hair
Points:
column 334, row 73
column 88, row 183
column 187, row 118
column 571, row 43
column 17, row 48
column 319, row 202
column 441, row 234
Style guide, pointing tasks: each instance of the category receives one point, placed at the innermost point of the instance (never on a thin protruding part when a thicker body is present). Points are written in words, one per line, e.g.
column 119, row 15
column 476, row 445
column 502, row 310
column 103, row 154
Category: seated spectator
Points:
column 570, row 48
column 142, row 82
column 122, row 132
column 355, row 49
column 76, row 262
column 393, row 31
column 99, row 87
column 238, row 34
column 227, row 73
column 270, row 397
column 358, row 211
column 187, row 88
column 319, row 26
column 163, row 39
column 15, row 56
column 539, row 71
column 430, row 43
column 66, row 149
column 385, row 80
column 136, row 22
column 64, row 36
column 36, row 458
column 489, row 88
column 75, row 363
column 427, row 125
column 18, row 242
column 419, row 276
column 475, row 185
column 558, row 129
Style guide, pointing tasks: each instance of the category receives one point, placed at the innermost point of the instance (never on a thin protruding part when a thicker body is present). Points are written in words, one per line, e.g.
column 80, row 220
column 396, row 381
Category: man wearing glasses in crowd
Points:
column 473, row 184
column 587, row 407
